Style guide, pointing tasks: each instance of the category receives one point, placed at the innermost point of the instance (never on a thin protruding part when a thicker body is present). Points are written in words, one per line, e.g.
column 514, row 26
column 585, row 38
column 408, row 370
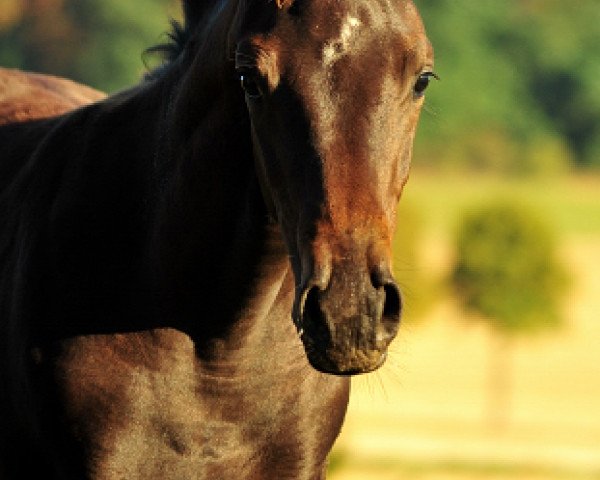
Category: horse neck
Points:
column 213, row 239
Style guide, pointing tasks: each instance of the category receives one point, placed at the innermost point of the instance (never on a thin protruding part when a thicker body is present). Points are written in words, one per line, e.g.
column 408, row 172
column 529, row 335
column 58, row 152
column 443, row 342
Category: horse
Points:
column 192, row 270
column 29, row 96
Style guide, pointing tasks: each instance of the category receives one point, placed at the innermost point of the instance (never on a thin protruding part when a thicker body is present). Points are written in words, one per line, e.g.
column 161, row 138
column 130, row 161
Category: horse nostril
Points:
column 392, row 309
column 312, row 309
column 392, row 305
column 314, row 321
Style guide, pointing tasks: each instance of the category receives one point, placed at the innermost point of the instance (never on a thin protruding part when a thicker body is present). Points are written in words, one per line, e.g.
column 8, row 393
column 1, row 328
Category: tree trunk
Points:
column 499, row 382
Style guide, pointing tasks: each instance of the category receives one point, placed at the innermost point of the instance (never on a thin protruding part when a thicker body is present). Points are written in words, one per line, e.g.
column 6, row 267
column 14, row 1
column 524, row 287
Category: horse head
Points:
column 334, row 89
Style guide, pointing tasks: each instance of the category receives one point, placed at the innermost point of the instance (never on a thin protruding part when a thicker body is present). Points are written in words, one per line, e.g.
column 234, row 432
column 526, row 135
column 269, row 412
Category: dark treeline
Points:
column 520, row 89
column 97, row 42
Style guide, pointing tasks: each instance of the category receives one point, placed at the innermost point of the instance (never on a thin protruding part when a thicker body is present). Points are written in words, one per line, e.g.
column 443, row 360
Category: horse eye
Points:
column 250, row 86
column 423, row 82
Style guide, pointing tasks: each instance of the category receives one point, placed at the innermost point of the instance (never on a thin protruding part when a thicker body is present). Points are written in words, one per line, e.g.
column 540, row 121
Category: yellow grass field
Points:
column 427, row 414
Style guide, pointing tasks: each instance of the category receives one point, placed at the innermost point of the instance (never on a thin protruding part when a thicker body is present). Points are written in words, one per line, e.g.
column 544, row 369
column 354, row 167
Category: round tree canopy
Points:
column 506, row 268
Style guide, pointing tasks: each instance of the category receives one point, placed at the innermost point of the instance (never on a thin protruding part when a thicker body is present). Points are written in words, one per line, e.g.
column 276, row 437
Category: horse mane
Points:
column 196, row 13
column 178, row 38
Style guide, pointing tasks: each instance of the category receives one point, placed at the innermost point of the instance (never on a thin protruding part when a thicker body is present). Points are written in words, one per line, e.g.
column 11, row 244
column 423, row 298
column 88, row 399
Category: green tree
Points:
column 114, row 35
column 515, row 75
column 507, row 272
column 96, row 42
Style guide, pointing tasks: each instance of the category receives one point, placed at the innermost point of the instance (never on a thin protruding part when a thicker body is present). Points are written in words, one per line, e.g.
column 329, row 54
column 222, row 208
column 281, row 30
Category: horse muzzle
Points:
column 347, row 319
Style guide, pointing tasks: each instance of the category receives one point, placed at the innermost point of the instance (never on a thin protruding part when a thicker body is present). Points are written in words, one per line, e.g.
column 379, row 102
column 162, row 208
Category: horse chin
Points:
column 342, row 362
column 335, row 357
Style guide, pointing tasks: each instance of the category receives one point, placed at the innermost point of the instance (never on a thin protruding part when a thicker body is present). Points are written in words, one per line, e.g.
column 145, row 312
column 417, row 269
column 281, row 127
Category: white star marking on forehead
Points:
column 338, row 47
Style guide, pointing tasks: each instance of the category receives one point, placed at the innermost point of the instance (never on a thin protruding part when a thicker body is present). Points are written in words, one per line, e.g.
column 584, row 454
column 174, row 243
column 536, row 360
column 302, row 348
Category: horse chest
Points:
column 141, row 407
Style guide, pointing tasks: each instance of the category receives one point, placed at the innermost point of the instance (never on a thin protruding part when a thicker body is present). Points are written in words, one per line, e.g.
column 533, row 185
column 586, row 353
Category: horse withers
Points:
column 191, row 270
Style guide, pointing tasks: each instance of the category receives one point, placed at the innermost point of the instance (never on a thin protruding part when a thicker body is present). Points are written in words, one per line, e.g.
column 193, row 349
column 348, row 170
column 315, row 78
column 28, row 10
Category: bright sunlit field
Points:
column 428, row 413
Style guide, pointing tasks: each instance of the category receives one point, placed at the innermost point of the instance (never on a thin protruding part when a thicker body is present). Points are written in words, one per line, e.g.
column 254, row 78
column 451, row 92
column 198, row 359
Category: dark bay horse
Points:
column 191, row 270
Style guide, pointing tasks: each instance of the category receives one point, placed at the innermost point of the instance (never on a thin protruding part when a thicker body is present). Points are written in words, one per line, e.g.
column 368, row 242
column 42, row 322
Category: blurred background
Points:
column 496, row 371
